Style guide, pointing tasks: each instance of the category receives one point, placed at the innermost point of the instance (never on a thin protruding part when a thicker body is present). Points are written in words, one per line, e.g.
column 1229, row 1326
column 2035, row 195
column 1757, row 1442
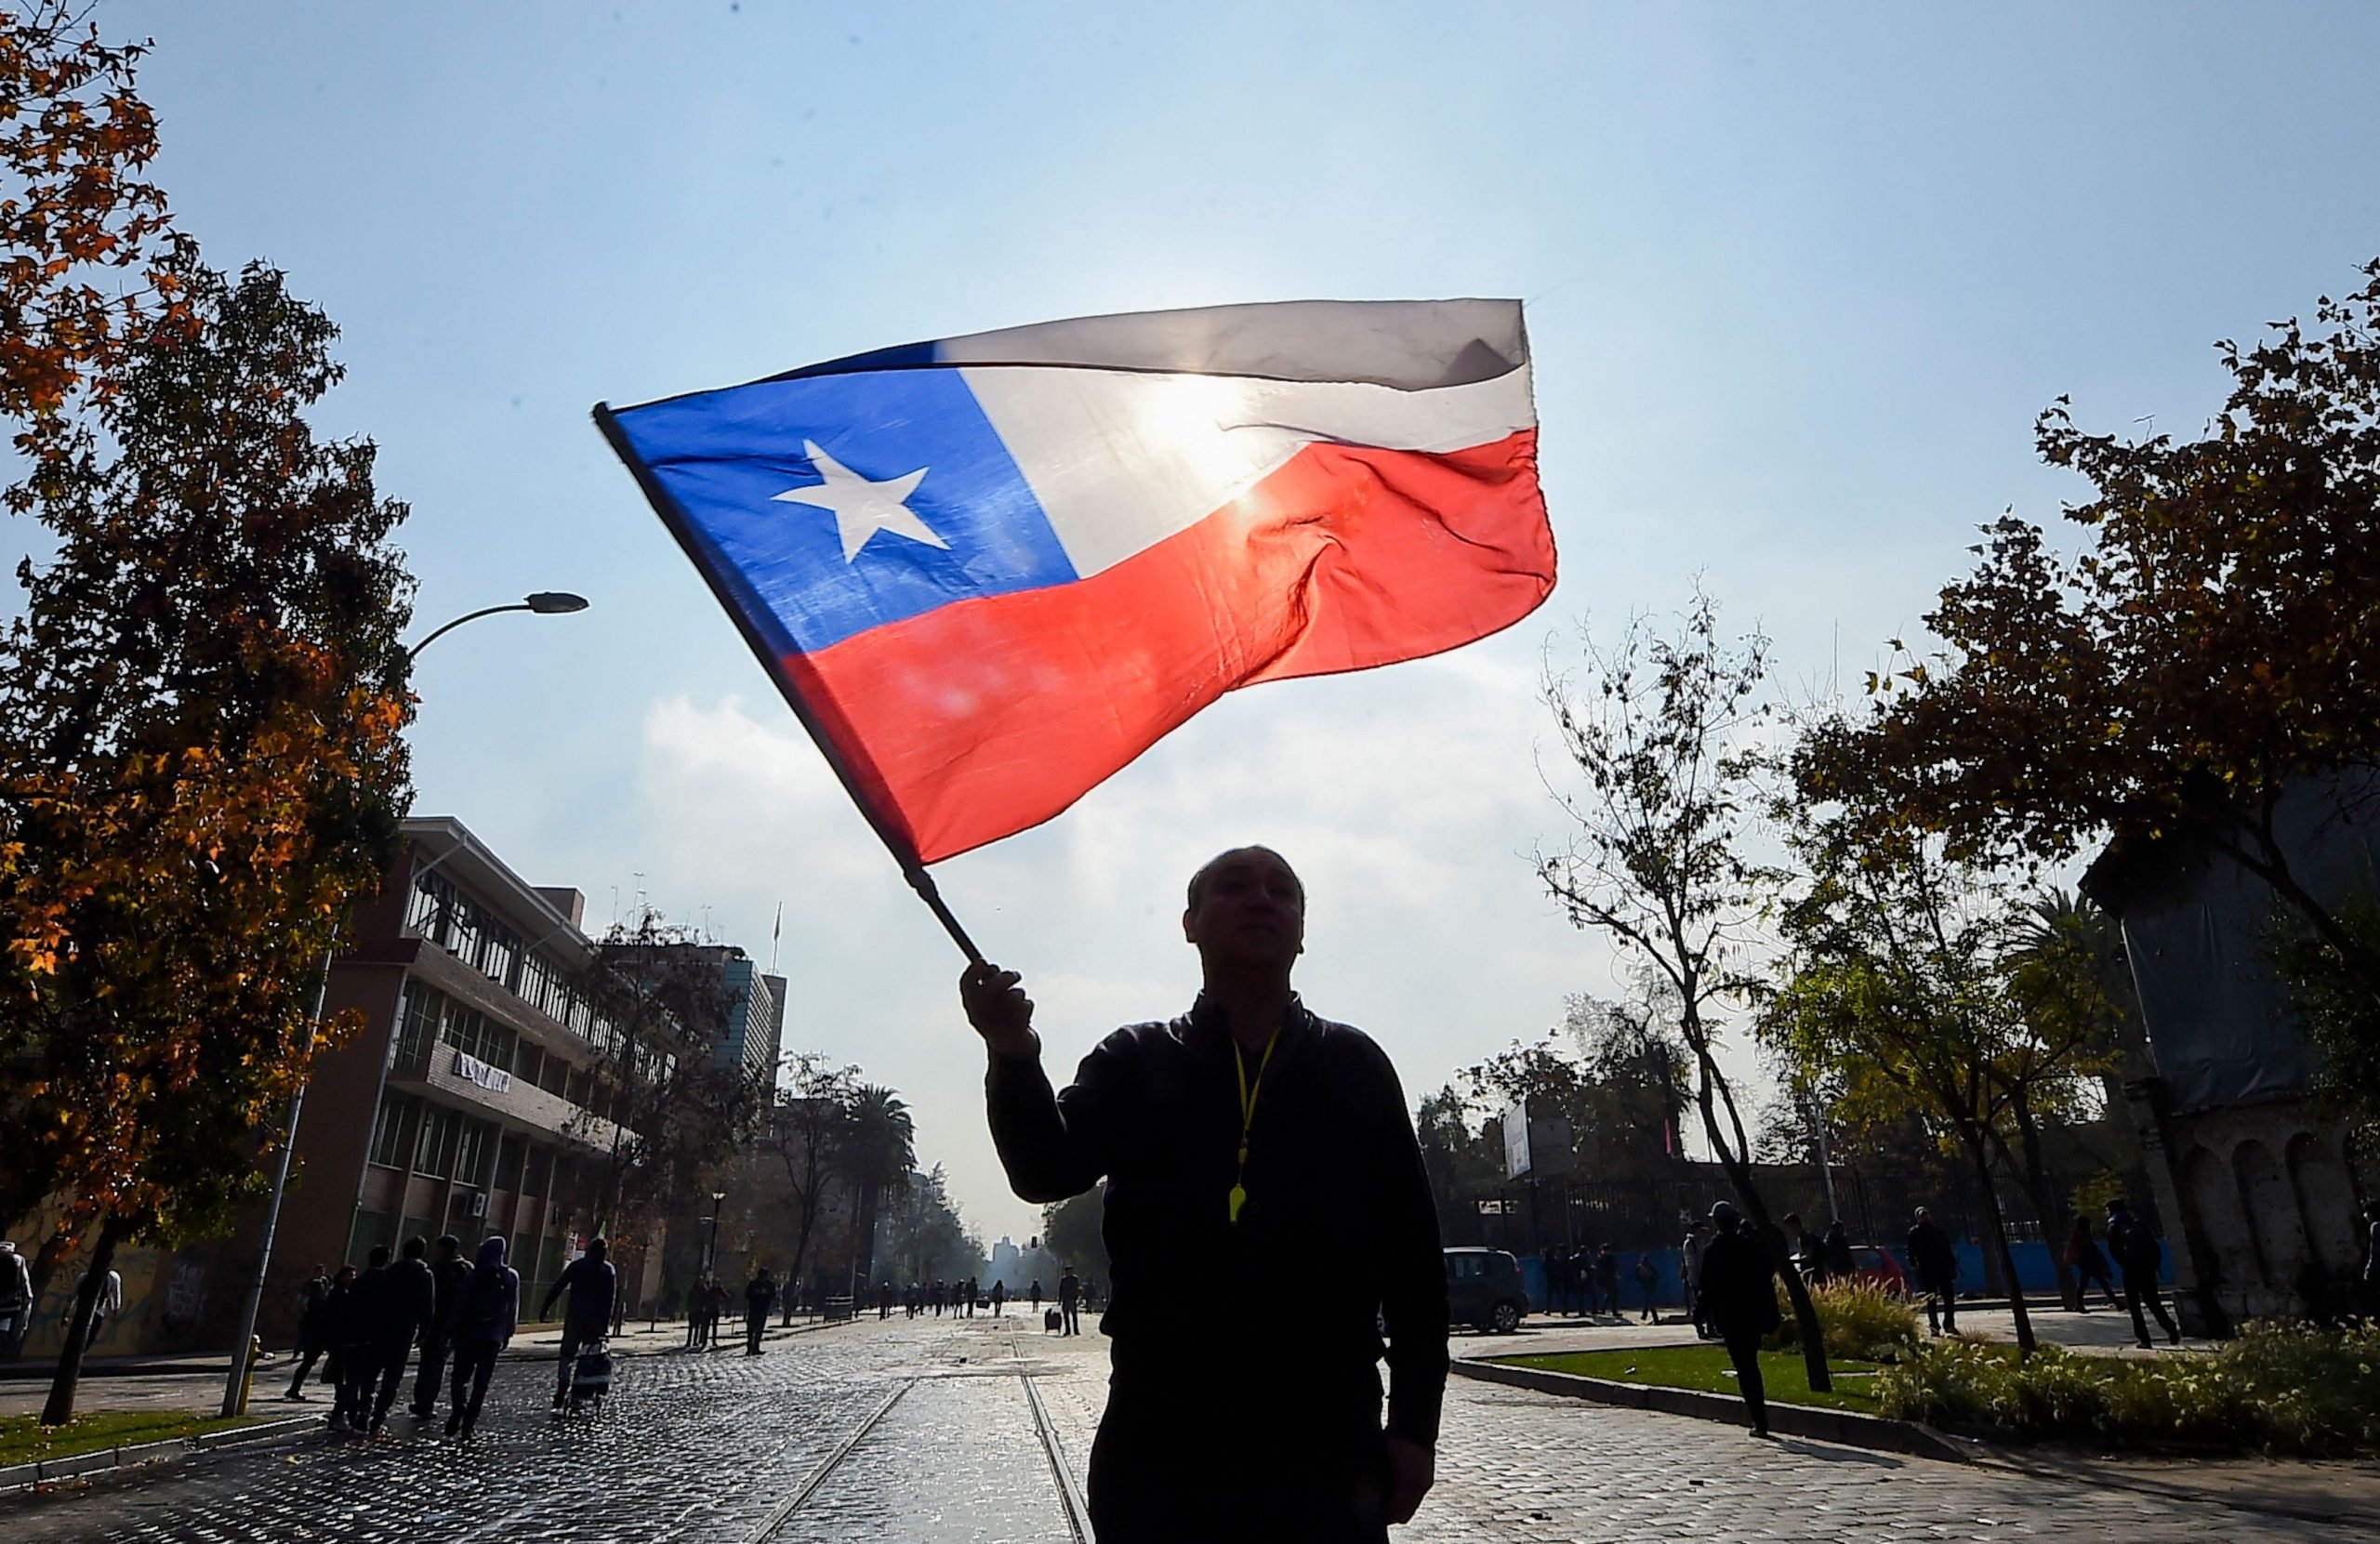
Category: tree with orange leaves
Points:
column 201, row 762
column 84, row 237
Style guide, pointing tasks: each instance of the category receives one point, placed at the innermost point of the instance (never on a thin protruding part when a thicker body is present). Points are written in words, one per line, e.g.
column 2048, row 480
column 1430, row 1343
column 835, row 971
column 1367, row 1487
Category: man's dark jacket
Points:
column 451, row 1276
column 403, row 1304
column 1339, row 1222
column 1931, row 1259
column 590, row 1283
column 1735, row 1292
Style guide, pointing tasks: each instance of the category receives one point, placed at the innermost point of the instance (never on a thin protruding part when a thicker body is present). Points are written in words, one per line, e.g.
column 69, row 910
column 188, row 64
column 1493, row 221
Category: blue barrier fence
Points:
column 2035, row 1272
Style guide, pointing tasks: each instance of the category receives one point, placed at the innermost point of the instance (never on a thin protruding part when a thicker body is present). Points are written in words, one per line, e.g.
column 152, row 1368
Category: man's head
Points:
column 1246, row 909
column 378, row 1257
column 319, row 1271
column 449, row 1246
column 1923, row 1214
column 2118, row 1207
column 596, row 1250
column 1724, row 1216
column 1793, row 1220
column 416, row 1247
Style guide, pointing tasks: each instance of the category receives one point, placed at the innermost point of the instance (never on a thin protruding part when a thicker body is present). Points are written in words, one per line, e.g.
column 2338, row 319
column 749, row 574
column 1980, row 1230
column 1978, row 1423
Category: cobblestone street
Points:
column 927, row 1430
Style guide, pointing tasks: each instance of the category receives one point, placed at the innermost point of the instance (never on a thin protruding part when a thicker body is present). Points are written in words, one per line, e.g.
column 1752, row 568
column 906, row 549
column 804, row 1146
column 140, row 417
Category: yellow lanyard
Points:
column 1247, row 1115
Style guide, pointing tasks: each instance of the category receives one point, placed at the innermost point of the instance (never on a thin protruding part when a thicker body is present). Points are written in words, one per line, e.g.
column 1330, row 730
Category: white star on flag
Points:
column 861, row 507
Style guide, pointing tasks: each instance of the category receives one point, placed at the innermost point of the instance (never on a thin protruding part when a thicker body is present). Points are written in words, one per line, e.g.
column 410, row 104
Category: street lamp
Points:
column 544, row 602
column 711, row 1250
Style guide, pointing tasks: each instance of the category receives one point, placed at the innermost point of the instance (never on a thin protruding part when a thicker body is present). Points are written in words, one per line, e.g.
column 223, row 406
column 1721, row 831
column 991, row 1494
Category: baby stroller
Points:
column 591, row 1377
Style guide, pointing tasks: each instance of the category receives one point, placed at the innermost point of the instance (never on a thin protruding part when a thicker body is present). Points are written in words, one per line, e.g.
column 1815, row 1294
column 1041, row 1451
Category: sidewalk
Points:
column 195, row 1381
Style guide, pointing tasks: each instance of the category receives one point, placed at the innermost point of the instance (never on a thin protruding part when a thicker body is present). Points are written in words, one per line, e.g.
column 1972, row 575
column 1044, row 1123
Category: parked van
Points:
column 1484, row 1290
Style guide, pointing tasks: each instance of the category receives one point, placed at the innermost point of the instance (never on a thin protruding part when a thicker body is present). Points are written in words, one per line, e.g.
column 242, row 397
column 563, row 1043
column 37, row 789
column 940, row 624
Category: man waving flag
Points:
column 989, row 571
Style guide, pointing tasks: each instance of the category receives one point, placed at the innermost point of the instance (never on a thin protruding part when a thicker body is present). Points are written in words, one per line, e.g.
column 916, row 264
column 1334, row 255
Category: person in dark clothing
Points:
column 342, row 1321
column 1247, row 1132
column 1934, row 1265
column 1000, row 1298
column 591, row 1283
column 698, row 1300
column 313, row 1328
column 487, row 1310
column 1739, row 1298
column 2089, row 1265
column 1069, row 1302
column 1036, row 1291
column 1648, row 1281
column 2138, row 1258
column 403, row 1307
column 359, row 1364
column 758, row 1297
column 447, row 1273
column 1607, row 1280
column 1840, row 1267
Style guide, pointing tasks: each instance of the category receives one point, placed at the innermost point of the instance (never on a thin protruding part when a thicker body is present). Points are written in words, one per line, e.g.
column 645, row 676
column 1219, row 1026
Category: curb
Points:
column 27, row 1476
column 1847, row 1428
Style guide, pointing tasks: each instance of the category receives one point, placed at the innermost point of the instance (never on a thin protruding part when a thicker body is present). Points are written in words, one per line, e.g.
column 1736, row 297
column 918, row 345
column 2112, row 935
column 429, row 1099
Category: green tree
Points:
column 809, row 1127
column 201, row 760
column 1075, row 1231
column 1662, row 736
column 2206, row 651
column 877, row 1153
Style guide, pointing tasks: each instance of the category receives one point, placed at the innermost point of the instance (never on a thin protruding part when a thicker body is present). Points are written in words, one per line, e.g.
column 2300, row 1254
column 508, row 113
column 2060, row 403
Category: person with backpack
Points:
column 2138, row 1258
column 592, row 1283
column 1738, row 1299
column 487, row 1311
column 447, row 1275
column 313, row 1328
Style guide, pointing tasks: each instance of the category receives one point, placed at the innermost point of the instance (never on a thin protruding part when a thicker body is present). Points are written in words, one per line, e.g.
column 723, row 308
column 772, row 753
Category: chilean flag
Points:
column 989, row 571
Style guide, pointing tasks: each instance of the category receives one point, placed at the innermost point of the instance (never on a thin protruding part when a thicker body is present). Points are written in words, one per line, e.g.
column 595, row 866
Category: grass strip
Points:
column 23, row 1439
column 1708, row 1370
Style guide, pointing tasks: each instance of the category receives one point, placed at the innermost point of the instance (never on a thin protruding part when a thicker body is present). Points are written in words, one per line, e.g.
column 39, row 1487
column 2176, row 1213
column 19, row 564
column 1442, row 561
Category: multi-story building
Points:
column 461, row 1106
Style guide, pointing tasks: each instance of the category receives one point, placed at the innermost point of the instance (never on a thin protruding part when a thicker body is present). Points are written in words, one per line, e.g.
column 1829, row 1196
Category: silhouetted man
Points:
column 2138, row 1260
column 401, row 1308
column 1738, row 1299
column 1243, row 1134
column 313, row 1328
column 591, row 1283
column 447, row 1275
column 486, row 1314
column 1069, row 1302
column 757, row 1298
column 1935, row 1267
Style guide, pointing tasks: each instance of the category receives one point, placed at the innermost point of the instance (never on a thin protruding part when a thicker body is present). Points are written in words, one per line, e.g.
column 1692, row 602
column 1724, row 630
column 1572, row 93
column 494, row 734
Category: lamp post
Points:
column 711, row 1250
column 544, row 602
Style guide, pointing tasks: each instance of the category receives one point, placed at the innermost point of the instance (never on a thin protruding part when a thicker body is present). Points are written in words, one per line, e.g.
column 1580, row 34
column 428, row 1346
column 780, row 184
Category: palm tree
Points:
column 878, row 1153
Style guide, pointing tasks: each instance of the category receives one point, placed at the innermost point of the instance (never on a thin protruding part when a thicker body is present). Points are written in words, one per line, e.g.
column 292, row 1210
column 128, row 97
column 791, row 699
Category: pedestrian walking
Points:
column 2138, row 1260
column 999, row 1296
column 16, row 1300
column 1840, row 1267
column 110, row 1300
column 1607, row 1280
column 403, row 1306
column 349, row 1332
column 2084, row 1259
column 1036, row 1296
column 1934, row 1265
column 697, row 1301
column 447, row 1275
column 1648, row 1278
column 759, row 1296
column 1809, row 1249
column 1262, row 1425
column 313, row 1328
column 487, row 1312
column 1689, row 1256
column 1738, row 1299
column 592, row 1285
column 1069, row 1302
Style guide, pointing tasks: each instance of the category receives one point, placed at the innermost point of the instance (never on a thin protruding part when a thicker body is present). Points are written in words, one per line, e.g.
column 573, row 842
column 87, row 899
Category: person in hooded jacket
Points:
column 1738, row 1298
column 401, row 1309
column 352, row 1323
column 487, row 1310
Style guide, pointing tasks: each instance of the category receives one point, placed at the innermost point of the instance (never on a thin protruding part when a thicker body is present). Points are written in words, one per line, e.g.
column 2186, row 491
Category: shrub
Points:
column 1857, row 1321
column 2297, row 1389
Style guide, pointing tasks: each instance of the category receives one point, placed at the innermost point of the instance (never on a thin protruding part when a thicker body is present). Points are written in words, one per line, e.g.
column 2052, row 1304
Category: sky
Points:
column 1798, row 280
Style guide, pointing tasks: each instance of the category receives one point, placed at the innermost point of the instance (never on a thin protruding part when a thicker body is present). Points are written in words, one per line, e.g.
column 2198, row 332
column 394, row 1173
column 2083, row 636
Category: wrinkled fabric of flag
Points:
column 989, row 571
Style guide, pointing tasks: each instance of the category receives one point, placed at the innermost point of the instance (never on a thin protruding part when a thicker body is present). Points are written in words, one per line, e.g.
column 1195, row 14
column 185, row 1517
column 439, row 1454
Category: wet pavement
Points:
column 928, row 1430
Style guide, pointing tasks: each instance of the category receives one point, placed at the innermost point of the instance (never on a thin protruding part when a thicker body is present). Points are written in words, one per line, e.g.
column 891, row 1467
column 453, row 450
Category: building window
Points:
column 418, row 1025
column 476, row 1154
column 393, row 1131
column 509, row 1160
column 434, row 1155
column 538, row 1175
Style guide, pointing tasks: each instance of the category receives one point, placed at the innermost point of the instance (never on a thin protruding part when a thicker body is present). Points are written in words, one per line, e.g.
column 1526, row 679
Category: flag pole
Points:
column 903, row 853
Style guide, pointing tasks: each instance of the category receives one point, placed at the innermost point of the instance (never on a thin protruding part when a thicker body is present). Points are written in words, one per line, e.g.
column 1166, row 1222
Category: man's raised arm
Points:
column 1049, row 1143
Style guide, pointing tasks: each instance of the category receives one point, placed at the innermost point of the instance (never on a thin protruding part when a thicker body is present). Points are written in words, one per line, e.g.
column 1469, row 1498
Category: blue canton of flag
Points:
column 845, row 502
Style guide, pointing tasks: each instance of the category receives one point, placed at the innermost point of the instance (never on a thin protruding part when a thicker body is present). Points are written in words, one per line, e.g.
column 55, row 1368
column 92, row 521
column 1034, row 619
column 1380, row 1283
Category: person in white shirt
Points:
column 110, row 1300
